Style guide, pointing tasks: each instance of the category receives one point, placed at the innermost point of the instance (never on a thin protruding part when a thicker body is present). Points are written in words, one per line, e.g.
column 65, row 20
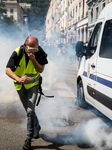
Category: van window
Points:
column 92, row 45
column 106, row 42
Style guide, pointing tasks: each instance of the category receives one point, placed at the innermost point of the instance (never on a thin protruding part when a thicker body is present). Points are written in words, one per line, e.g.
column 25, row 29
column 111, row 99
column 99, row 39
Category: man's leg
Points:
column 32, row 120
column 23, row 97
column 28, row 99
column 37, row 128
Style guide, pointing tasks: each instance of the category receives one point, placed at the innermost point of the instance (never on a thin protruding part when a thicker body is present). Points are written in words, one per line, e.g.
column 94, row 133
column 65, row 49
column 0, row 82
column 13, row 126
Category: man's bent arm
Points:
column 39, row 68
column 12, row 75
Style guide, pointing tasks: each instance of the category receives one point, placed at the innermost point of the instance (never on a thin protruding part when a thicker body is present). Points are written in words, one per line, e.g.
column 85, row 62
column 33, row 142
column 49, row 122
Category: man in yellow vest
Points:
column 24, row 67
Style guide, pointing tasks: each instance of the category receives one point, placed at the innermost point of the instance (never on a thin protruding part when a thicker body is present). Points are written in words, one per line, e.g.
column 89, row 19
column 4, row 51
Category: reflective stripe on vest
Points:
column 33, row 81
column 30, row 71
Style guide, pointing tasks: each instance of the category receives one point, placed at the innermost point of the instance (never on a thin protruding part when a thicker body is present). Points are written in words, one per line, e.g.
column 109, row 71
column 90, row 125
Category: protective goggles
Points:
column 31, row 49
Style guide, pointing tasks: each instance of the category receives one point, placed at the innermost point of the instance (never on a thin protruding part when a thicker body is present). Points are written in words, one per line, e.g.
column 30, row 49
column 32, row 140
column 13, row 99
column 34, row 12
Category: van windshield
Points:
column 106, row 42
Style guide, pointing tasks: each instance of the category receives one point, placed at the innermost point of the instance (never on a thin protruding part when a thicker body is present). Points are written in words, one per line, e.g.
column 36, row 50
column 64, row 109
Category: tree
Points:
column 2, row 10
column 36, row 15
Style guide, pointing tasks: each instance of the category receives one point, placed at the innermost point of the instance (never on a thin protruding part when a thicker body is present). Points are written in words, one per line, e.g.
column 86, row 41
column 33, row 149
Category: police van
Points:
column 94, row 78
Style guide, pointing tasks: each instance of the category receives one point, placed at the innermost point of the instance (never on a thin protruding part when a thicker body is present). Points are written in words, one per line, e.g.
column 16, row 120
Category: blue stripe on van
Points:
column 99, row 79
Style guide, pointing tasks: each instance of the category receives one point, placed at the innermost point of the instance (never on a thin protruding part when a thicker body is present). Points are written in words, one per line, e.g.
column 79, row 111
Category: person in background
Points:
column 24, row 67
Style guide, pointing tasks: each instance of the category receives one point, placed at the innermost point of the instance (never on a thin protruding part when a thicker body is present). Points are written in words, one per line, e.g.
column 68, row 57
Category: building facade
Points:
column 68, row 19
column 15, row 10
column 73, row 20
column 81, row 20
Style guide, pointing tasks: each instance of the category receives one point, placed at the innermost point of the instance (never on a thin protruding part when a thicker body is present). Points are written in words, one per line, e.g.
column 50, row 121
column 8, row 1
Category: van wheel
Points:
column 80, row 96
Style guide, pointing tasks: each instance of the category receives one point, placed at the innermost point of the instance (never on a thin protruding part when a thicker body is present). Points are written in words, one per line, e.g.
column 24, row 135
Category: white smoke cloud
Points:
column 49, row 75
column 52, row 112
column 9, row 100
column 93, row 132
column 7, row 92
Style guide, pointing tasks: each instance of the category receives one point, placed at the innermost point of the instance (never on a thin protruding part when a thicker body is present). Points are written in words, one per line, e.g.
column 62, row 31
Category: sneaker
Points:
column 27, row 144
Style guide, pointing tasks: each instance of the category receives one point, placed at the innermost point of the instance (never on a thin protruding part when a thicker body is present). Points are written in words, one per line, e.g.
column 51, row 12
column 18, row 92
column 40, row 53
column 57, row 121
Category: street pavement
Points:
column 64, row 126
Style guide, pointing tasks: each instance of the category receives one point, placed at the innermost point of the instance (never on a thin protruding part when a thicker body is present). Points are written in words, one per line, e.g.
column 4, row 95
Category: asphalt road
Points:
column 65, row 126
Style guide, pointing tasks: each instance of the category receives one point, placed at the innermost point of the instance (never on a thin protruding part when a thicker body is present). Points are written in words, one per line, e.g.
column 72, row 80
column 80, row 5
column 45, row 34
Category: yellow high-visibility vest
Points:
column 30, row 71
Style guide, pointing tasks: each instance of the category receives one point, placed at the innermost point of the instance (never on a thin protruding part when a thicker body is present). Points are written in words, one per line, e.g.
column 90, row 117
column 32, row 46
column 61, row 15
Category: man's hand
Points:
column 24, row 79
column 38, row 67
column 31, row 56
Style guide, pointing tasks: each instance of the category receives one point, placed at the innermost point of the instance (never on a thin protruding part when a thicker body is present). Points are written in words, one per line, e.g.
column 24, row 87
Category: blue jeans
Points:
column 28, row 99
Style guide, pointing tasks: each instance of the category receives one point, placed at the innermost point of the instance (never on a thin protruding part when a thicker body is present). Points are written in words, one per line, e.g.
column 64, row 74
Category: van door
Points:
column 90, row 66
column 103, row 84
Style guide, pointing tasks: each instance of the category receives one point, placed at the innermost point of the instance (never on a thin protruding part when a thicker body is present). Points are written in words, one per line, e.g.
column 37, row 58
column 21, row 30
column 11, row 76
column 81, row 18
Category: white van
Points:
column 94, row 79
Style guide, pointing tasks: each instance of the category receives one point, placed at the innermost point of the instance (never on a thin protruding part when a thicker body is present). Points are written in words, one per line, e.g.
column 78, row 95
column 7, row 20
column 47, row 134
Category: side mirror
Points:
column 80, row 51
